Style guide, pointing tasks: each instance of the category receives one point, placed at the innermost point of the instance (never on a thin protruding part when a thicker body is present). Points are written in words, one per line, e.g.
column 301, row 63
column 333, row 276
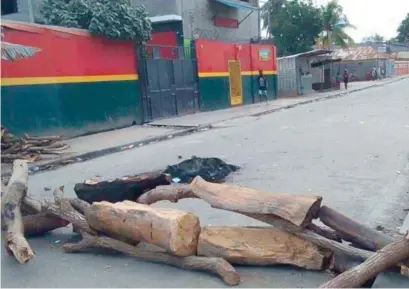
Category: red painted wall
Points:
column 213, row 56
column 67, row 52
column 167, row 42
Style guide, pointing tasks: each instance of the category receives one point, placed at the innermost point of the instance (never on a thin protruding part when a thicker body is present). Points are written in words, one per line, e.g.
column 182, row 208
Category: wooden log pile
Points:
column 353, row 251
column 28, row 148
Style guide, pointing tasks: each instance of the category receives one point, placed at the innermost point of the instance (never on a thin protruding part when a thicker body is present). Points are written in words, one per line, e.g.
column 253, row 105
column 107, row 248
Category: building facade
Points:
column 222, row 20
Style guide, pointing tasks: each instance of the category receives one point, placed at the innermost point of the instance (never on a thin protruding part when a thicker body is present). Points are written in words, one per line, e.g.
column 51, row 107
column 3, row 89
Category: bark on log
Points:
column 378, row 262
column 121, row 189
column 339, row 248
column 332, row 235
column 297, row 209
column 36, row 225
column 173, row 230
column 404, row 271
column 14, row 241
column 63, row 209
column 172, row 193
column 217, row 266
column 259, row 246
column 354, row 232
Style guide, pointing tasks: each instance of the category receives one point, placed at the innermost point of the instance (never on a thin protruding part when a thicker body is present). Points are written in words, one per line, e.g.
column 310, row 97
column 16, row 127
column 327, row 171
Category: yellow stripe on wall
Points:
column 66, row 79
column 226, row 74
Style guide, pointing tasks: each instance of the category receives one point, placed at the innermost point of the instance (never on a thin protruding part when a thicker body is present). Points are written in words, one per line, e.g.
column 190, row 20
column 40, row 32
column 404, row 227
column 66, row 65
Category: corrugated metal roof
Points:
column 13, row 52
column 359, row 53
column 311, row 53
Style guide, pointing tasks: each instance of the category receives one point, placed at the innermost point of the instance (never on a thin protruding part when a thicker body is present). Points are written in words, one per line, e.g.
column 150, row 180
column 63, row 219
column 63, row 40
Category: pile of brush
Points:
column 28, row 148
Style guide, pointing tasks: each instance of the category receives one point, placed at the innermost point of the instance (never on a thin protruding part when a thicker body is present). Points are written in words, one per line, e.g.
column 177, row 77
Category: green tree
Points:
column 374, row 38
column 293, row 25
column 403, row 30
column 334, row 23
column 111, row 19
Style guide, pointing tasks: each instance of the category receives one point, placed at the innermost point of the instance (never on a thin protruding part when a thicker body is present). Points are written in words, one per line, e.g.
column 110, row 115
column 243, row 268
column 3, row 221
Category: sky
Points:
column 372, row 16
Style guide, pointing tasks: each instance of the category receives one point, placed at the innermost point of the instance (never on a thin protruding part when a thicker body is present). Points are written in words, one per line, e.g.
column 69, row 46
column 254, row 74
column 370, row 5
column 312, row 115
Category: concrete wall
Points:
column 160, row 7
column 198, row 21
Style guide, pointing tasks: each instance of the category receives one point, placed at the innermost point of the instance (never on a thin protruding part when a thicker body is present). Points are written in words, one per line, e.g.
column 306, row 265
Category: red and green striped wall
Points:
column 76, row 84
column 213, row 58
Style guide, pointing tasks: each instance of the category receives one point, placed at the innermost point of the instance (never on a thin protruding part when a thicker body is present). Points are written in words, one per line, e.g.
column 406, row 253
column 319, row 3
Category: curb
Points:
column 54, row 164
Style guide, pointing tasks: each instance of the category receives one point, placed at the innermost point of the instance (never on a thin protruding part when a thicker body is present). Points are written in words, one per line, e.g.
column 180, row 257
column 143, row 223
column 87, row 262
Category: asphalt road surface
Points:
column 353, row 151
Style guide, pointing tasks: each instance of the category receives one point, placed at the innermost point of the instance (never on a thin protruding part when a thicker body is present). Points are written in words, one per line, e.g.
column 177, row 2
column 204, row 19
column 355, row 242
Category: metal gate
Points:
column 169, row 82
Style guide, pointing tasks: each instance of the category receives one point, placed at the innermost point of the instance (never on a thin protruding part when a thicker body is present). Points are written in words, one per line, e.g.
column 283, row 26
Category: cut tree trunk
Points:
column 378, row 262
column 284, row 225
column 14, row 241
column 37, row 225
column 217, row 266
column 130, row 188
column 354, row 232
column 259, row 246
column 297, row 209
column 171, row 193
column 173, row 230
column 329, row 234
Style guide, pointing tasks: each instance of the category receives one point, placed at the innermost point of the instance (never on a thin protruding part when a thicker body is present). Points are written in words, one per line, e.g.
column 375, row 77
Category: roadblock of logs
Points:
column 353, row 251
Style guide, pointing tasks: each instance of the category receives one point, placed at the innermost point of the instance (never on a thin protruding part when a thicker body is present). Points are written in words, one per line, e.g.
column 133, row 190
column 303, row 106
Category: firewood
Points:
column 173, row 230
column 354, row 232
column 119, row 190
column 14, row 241
column 332, row 235
column 404, row 271
column 170, row 193
column 79, row 205
column 62, row 208
column 378, row 262
column 259, row 246
column 42, row 138
column 217, row 266
column 284, row 225
column 297, row 209
column 36, row 225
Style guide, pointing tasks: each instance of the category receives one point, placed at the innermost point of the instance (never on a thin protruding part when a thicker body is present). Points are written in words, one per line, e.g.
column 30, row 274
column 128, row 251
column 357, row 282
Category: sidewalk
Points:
column 101, row 144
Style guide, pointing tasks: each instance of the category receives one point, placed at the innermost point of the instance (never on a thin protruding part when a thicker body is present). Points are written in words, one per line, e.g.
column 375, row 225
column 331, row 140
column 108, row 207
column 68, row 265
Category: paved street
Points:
column 352, row 150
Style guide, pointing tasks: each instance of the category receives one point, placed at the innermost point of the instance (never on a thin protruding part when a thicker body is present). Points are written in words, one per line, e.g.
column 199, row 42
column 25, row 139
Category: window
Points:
column 8, row 7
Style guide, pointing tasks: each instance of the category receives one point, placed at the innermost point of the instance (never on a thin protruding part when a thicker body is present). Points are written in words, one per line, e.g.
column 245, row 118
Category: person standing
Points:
column 345, row 77
column 262, row 85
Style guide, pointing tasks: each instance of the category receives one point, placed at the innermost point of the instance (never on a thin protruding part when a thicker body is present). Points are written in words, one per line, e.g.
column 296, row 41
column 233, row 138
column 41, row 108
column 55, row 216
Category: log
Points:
column 40, row 224
column 172, row 193
column 42, row 138
column 354, row 232
column 14, row 241
column 284, row 225
column 173, row 230
column 378, row 262
column 217, row 266
column 259, row 246
column 121, row 189
column 297, row 209
column 404, row 271
column 63, row 209
column 332, row 235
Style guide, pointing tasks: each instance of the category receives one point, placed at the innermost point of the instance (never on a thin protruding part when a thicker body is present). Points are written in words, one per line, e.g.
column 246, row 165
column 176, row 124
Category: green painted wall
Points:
column 215, row 91
column 70, row 109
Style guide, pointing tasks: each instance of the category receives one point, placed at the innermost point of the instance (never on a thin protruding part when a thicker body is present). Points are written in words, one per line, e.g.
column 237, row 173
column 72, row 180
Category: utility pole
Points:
column 30, row 11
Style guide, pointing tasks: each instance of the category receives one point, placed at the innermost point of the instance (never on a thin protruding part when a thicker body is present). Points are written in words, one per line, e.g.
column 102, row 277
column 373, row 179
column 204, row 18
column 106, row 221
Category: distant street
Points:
column 352, row 150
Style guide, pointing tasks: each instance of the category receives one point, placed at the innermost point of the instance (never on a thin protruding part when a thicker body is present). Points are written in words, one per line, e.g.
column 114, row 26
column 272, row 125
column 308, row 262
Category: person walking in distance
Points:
column 346, row 78
column 262, row 85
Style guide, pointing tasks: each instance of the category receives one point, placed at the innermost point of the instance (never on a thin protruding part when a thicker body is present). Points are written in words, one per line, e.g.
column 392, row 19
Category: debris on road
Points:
column 211, row 169
column 28, row 148
column 132, row 226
